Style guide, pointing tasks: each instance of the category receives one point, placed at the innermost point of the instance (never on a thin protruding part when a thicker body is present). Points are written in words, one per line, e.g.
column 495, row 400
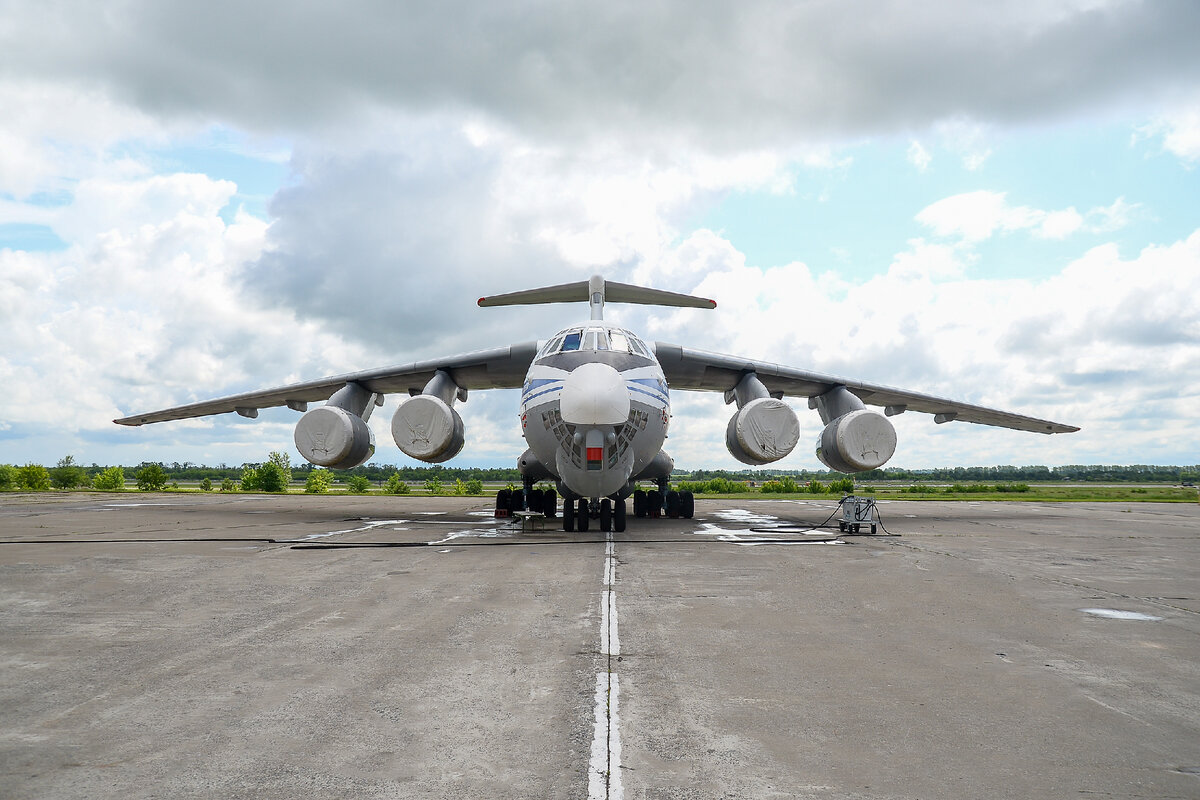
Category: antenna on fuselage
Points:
column 595, row 292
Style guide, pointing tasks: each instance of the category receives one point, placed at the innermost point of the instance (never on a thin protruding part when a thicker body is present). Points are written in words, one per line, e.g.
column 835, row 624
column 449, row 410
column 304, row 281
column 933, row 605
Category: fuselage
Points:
column 595, row 409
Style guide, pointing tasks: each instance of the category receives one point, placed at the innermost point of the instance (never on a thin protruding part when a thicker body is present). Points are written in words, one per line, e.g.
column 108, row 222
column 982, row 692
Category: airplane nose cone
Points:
column 594, row 394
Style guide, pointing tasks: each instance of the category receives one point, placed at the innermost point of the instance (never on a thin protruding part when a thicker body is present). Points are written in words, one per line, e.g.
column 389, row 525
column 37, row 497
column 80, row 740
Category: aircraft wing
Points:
column 498, row 368
column 698, row 370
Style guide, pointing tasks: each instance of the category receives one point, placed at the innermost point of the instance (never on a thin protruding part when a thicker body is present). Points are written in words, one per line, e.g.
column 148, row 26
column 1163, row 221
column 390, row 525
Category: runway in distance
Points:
column 595, row 409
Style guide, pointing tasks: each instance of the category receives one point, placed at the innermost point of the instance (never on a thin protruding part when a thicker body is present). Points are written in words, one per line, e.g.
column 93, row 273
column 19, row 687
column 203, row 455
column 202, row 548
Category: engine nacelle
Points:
column 856, row 442
column 334, row 437
column 762, row 431
column 532, row 470
column 428, row 429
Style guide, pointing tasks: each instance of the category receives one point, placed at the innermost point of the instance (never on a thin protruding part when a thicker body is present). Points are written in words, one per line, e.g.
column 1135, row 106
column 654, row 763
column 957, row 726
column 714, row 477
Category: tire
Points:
column 550, row 503
column 581, row 515
column 673, row 504
column 619, row 516
column 687, row 505
column 534, row 498
column 872, row 529
column 517, row 500
column 568, row 516
column 639, row 503
column 654, row 504
column 606, row 515
column 503, row 498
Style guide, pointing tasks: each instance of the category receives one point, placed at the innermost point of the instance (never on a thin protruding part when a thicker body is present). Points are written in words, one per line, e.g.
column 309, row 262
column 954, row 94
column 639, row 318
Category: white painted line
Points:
column 615, row 790
column 610, row 640
column 604, row 769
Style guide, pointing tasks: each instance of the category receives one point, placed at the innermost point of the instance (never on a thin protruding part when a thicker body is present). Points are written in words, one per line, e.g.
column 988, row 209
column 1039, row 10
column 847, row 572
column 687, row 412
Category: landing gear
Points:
column 619, row 516
column 549, row 503
column 673, row 504
column 568, row 515
column 581, row 515
column 639, row 503
column 606, row 515
column 654, row 503
column 687, row 505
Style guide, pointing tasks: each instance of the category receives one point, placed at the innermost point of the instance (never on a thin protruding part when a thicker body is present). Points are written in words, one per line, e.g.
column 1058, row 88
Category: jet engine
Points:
column 336, row 434
column 425, row 427
column 856, row 442
column 764, row 429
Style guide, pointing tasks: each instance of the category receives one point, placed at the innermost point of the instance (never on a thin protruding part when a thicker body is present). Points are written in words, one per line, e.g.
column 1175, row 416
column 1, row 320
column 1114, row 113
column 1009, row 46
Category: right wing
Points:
column 499, row 368
column 698, row 370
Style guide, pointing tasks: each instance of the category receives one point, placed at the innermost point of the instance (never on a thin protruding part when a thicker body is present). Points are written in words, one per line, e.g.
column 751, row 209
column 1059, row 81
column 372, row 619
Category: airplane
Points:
column 595, row 409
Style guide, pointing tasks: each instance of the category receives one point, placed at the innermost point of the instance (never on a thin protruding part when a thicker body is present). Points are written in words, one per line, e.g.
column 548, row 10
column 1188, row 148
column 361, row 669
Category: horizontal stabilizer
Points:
column 597, row 292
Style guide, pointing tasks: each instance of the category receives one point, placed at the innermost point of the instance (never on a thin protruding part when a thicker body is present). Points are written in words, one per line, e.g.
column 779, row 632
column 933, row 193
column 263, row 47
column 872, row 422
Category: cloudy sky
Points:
column 997, row 202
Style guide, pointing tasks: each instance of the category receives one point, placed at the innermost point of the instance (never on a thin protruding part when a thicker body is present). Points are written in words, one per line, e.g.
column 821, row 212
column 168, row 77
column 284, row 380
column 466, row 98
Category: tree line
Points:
column 68, row 474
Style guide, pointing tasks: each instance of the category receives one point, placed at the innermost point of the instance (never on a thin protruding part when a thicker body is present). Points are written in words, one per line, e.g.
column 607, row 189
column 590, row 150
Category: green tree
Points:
column 110, row 480
column 273, row 478
column 434, row 486
column 67, row 474
column 843, row 486
column 33, row 478
column 816, row 487
column 318, row 481
column 228, row 485
column 396, row 486
column 284, row 462
column 358, row 484
column 475, row 486
column 206, row 485
column 249, row 480
column 151, row 478
column 8, row 477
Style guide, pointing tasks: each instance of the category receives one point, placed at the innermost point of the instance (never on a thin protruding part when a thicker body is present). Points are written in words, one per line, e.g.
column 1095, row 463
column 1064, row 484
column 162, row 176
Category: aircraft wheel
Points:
column 872, row 529
column 568, row 515
column 673, row 504
column 549, row 503
column 619, row 516
column 517, row 500
column 581, row 514
column 503, row 498
column 606, row 515
column 639, row 503
column 654, row 503
column 534, row 498
column 687, row 505
column 842, row 527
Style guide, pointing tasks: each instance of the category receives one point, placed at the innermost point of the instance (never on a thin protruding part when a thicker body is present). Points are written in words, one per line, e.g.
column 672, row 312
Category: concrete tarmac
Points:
column 185, row 645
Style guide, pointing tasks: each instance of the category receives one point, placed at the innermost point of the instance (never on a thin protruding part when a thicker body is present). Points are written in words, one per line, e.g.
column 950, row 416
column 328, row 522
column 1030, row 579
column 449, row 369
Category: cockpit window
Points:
column 595, row 339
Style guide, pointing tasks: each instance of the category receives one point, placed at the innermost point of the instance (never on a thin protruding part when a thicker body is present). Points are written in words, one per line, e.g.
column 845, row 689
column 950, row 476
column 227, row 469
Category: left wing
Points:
column 698, row 370
column 499, row 368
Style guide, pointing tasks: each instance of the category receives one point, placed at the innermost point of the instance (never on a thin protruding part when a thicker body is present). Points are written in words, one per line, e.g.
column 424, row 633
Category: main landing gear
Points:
column 655, row 504
column 577, row 514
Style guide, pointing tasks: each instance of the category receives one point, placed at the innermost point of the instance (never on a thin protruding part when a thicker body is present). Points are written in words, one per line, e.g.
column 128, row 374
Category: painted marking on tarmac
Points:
column 604, row 769
column 1112, row 613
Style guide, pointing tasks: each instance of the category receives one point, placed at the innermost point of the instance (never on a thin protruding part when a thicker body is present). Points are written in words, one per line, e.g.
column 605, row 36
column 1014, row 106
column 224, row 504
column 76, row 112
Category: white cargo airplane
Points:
column 595, row 407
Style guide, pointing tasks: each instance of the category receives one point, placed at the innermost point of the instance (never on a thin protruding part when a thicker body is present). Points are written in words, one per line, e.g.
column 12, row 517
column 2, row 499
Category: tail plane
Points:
column 595, row 292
